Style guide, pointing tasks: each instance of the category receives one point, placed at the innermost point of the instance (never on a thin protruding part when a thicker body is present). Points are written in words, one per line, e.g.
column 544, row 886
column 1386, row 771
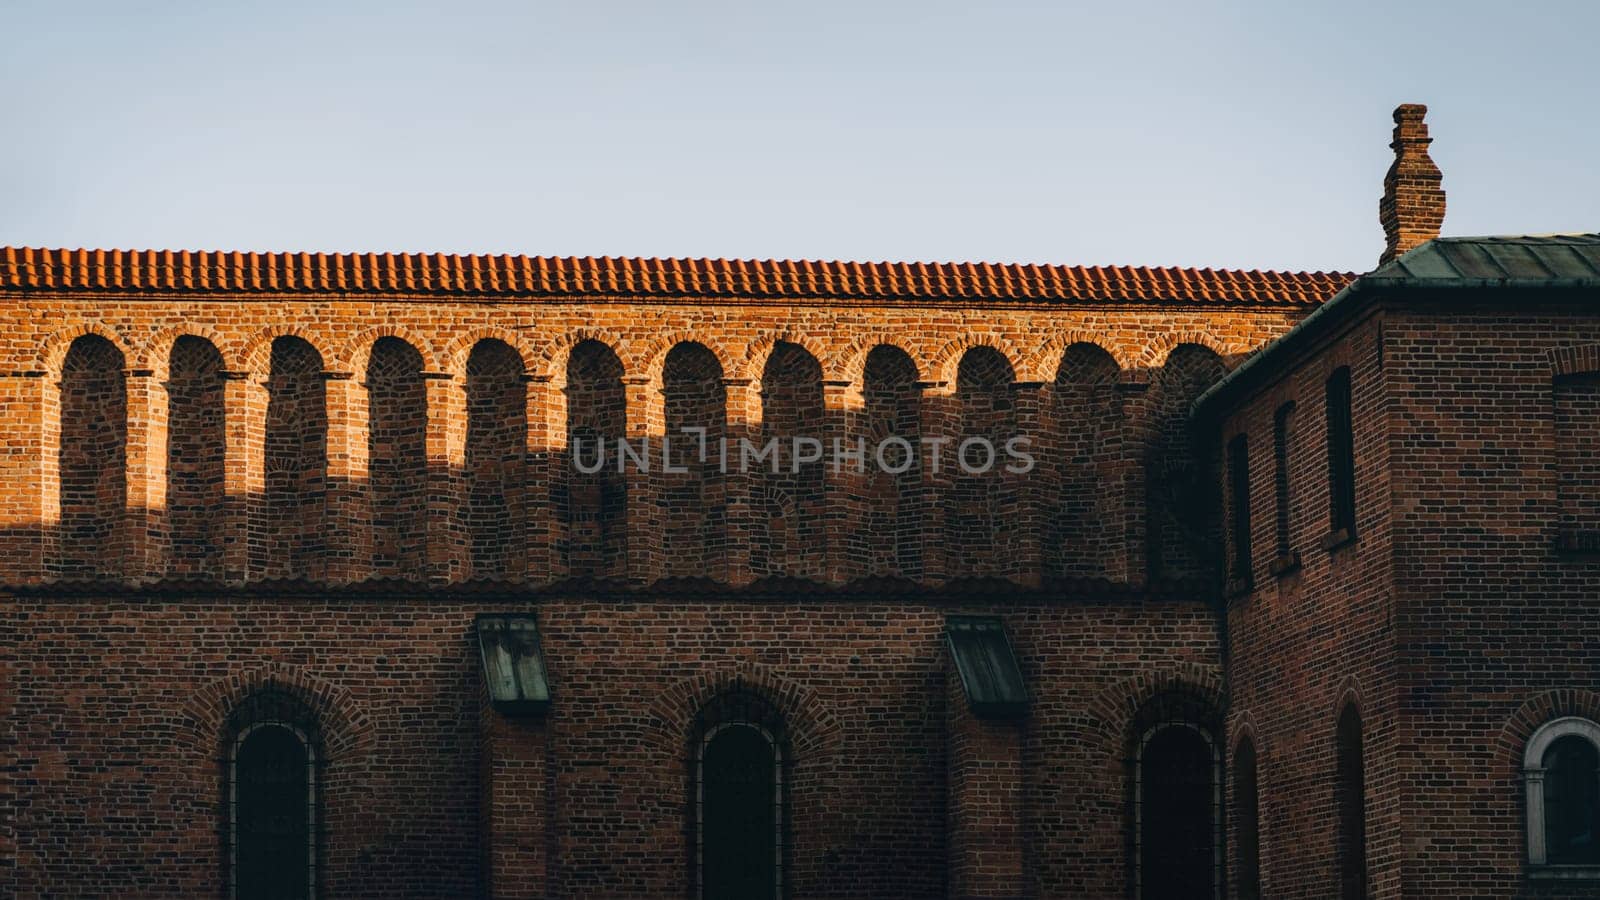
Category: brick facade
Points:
column 1458, row 620
column 231, row 476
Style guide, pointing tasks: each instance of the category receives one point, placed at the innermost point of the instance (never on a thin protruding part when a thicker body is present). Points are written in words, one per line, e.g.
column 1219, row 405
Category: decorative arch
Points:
column 256, row 352
column 155, row 354
column 358, row 350
column 947, row 360
column 1349, row 694
column 1042, row 364
column 655, row 356
column 591, row 498
column 759, row 352
column 1115, row 707
column 1241, row 725
column 814, row 731
column 850, row 363
column 90, row 453
column 53, row 351
column 552, row 361
column 1154, row 356
column 1533, row 714
column 347, row 732
column 194, row 372
column 460, row 348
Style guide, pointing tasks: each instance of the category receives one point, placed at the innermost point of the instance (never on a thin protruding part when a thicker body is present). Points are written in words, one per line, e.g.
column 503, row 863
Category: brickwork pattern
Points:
column 1459, row 619
column 436, row 447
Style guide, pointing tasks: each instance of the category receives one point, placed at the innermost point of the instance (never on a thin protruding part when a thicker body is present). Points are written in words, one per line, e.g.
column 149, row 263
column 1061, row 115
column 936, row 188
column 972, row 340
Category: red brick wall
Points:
column 324, row 427
column 1456, row 620
column 1305, row 642
column 1497, row 626
column 120, row 703
column 329, row 425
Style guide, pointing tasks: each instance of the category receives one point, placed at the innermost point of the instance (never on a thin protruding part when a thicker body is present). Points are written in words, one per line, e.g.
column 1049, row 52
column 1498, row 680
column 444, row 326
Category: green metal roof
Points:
column 1513, row 261
column 1549, row 260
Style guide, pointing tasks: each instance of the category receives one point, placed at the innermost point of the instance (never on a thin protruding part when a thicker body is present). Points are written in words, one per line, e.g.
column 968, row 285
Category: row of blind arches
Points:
column 1082, row 440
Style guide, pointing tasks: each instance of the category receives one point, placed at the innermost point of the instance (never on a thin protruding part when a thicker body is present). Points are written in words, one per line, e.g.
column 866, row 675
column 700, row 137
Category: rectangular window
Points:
column 1284, row 547
column 1239, row 509
column 513, row 663
column 1341, row 457
column 990, row 676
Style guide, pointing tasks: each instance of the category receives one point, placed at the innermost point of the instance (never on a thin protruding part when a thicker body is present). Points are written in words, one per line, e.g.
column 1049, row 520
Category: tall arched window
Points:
column 740, row 822
column 1561, row 770
column 1350, row 801
column 1177, row 801
column 1247, row 820
column 273, row 839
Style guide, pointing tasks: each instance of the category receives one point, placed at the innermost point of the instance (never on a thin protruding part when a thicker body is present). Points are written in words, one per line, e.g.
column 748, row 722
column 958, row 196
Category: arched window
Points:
column 1247, row 820
column 739, row 800
column 1177, row 801
column 1350, row 802
column 273, row 760
column 1561, row 770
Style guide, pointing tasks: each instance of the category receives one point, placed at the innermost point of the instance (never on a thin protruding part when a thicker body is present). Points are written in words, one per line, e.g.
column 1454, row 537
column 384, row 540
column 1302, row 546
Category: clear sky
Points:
column 1244, row 134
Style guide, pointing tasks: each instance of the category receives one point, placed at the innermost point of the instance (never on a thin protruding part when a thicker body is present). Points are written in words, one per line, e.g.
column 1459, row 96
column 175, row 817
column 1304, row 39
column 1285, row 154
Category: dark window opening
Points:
column 1280, row 479
column 513, row 663
column 272, row 801
column 1247, row 822
column 1177, row 802
column 1571, row 802
column 1341, row 455
column 739, row 795
column 1350, row 799
column 990, row 676
column 1239, row 507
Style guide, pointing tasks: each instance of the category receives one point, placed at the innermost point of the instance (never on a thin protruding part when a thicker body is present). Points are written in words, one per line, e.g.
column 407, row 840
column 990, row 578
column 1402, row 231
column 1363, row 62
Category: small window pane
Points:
column 1571, row 799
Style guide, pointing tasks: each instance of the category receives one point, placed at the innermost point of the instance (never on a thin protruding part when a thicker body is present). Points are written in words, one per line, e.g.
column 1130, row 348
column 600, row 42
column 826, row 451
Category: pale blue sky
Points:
column 1245, row 134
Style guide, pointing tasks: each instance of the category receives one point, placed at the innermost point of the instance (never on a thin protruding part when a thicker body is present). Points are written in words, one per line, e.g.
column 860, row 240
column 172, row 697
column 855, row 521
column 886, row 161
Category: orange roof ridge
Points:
column 32, row 268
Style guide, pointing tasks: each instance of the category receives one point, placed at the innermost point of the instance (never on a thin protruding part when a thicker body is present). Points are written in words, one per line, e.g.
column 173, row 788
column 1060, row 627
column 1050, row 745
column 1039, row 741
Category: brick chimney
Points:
column 1412, row 208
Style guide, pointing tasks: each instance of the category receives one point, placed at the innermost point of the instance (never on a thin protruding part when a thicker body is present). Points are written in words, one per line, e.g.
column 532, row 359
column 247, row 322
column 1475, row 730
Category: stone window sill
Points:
column 1286, row 564
column 1338, row 539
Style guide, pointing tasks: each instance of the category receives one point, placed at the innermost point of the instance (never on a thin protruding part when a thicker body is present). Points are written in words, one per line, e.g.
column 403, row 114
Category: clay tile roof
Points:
column 29, row 268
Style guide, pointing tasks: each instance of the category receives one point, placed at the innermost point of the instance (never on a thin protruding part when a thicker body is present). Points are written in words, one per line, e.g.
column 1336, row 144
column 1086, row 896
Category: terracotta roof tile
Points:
column 28, row 268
